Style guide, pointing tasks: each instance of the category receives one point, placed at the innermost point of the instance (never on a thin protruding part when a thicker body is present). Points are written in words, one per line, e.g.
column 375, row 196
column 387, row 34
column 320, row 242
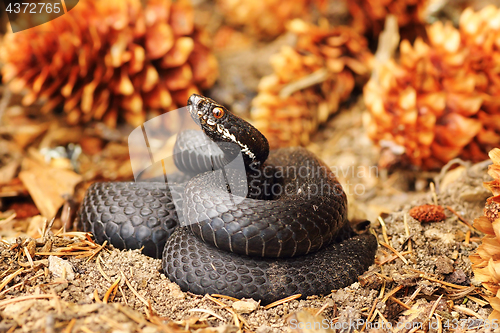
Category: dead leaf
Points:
column 48, row 186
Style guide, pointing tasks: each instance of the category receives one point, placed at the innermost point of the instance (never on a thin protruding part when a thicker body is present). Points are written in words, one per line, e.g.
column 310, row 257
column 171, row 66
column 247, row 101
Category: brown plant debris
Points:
column 485, row 261
column 309, row 81
column 111, row 60
column 48, row 186
column 428, row 213
column 439, row 101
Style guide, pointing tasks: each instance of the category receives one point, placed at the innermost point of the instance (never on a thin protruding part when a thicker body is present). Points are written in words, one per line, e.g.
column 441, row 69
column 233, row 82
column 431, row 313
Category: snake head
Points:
column 222, row 126
column 202, row 111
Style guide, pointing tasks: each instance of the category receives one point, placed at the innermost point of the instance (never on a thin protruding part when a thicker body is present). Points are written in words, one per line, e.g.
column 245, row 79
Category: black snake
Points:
column 290, row 235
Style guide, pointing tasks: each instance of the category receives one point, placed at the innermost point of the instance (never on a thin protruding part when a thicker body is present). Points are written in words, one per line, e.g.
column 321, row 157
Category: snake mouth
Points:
column 198, row 109
column 194, row 116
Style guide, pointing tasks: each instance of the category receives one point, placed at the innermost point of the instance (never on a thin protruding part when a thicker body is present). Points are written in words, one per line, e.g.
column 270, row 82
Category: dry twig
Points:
column 281, row 301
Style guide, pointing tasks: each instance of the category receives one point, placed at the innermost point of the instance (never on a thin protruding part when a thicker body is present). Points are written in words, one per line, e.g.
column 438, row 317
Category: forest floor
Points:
column 422, row 270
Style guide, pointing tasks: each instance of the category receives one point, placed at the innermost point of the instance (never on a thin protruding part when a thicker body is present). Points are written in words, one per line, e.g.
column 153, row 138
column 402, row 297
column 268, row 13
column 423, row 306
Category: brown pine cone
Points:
column 439, row 100
column 309, row 82
column 111, row 60
column 486, row 260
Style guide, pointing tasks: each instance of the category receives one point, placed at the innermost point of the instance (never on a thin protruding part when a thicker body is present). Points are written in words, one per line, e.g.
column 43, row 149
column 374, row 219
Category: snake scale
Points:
column 268, row 245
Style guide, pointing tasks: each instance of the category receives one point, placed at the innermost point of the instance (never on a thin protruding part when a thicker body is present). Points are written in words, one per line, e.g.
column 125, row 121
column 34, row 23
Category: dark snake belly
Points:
column 133, row 215
column 200, row 268
column 266, row 245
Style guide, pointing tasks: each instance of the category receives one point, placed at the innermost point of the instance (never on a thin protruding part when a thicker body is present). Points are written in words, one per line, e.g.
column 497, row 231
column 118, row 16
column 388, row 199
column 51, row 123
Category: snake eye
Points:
column 218, row 113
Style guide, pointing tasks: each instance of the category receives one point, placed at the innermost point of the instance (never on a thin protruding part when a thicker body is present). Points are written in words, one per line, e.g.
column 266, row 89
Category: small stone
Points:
column 61, row 268
column 458, row 277
column 175, row 291
column 444, row 265
column 245, row 305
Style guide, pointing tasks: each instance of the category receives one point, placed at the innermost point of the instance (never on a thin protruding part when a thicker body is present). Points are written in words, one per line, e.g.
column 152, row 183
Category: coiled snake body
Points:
column 290, row 235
